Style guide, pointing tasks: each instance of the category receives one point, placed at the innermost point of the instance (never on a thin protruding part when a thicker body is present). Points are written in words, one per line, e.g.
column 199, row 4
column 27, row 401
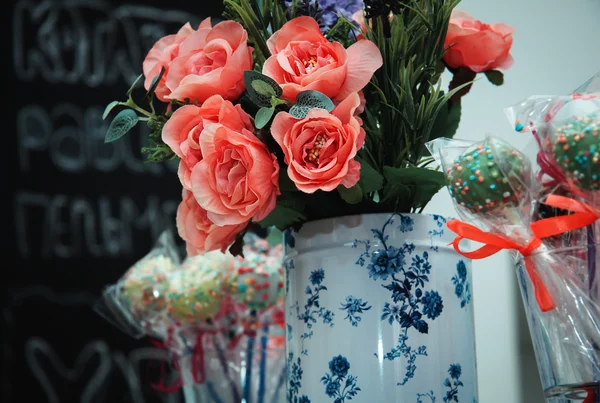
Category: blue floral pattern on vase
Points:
column 451, row 383
column 313, row 309
column 440, row 222
column 339, row 384
column 295, row 381
column 412, row 305
column 462, row 288
column 354, row 307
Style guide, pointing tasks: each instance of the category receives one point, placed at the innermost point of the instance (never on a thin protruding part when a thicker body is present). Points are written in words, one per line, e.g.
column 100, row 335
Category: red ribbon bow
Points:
column 583, row 215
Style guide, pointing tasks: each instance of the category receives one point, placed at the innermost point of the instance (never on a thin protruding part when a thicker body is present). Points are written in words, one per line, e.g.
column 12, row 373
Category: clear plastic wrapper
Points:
column 566, row 129
column 493, row 189
column 497, row 196
column 137, row 302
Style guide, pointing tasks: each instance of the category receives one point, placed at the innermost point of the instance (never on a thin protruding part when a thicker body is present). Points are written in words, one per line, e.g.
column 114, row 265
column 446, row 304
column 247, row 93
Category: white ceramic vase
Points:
column 379, row 309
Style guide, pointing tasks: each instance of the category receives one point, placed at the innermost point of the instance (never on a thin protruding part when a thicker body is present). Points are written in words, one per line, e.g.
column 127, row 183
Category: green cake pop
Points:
column 488, row 177
column 576, row 150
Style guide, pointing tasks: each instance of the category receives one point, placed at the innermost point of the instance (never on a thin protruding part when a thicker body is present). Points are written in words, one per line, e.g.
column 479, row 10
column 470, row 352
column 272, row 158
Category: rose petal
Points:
column 364, row 58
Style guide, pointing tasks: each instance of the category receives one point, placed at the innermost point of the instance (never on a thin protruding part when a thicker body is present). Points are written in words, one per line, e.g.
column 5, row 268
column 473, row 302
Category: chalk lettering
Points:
column 91, row 42
column 74, row 139
column 34, row 127
column 73, row 226
column 43, row 360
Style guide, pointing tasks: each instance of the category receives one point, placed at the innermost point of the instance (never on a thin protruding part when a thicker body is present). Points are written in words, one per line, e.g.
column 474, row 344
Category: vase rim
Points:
column 349, row 217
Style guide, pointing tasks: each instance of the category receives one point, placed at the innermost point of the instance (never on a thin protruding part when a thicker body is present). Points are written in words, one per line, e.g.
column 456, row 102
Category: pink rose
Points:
column 162, row 54
column 303, row 59
column 211, row 61
column 477, row 46
column 200, row 234
column 237, row 179
column 184, row 128
column 319, row 149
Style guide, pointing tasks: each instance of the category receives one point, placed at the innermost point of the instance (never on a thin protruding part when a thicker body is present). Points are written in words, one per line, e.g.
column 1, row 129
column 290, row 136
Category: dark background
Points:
column 82, row 211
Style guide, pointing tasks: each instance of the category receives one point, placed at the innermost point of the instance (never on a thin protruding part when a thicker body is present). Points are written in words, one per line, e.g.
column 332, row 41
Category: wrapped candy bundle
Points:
column 544, row 214
column 219, row 316
column 567, row 132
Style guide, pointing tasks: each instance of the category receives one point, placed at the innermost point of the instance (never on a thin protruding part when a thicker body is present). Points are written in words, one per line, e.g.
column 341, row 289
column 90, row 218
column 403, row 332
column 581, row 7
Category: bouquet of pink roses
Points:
column 293, row 111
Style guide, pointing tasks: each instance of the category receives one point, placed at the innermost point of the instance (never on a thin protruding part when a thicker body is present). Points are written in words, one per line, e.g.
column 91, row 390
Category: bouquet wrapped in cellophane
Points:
column 220, row 318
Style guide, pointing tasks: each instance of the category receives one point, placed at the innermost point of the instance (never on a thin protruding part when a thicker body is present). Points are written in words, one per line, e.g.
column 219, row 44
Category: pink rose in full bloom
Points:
column 237, row 179
column 211, row 61
column 184, row 128
column 200, row 234
column 162, row 54
column 303, row 59
column 320, row 149
column 477, row 46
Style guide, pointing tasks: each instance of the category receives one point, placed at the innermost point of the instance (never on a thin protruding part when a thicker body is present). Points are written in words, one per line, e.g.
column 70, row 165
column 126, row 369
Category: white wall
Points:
column 556, row 48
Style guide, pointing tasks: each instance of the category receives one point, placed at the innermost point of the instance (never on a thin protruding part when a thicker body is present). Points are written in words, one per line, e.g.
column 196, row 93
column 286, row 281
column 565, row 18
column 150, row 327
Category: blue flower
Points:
column 317, row 276
column 432, row 304
column 462, row 269
column 332, row 388
column 385, row 263
column 407, row 224
column 458, row 290
column 339, row 366
column 304, row 399
column 455, row 371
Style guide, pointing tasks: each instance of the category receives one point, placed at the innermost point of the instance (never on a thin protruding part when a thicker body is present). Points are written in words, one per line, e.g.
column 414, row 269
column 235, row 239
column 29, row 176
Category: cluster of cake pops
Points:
column 160, row 294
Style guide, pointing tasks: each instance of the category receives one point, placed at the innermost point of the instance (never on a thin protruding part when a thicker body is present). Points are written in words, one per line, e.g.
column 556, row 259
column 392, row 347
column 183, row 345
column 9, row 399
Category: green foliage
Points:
column 260, row 19
column 157, row 150
column 263, row 116
column 307, row 100
column 370, row 180
column 405, row 104
column 447, row 121
column 351, row 195
column 415, row 185
column 121, row 124
column 261, row 89
column 495, row 77
column 109, row 108
column 287, row 213
column 155, row 82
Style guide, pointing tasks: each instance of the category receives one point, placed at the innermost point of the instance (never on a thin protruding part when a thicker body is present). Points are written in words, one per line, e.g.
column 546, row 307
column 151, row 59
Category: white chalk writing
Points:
column 88, row 42
column 73, row 138
column 74, row 226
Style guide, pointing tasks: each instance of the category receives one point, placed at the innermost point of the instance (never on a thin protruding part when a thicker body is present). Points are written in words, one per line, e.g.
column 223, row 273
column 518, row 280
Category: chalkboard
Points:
column 82, row 211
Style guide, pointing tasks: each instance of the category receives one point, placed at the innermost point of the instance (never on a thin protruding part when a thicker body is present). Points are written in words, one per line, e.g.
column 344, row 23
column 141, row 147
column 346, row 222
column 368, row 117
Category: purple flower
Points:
column 327, row 12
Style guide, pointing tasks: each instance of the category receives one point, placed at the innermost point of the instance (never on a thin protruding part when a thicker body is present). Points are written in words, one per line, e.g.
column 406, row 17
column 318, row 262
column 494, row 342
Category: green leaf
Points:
column 263, row 116
column 423, row 183
column 495, row 77
column 447, row 121
column 351, row 195
column 135, row 83
column 257, row 92
column 155, row 81
column 263, row 88
column 370, row 179
column 282, row 217
column 307, row 100
column 109, row 108
column 121, row 124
